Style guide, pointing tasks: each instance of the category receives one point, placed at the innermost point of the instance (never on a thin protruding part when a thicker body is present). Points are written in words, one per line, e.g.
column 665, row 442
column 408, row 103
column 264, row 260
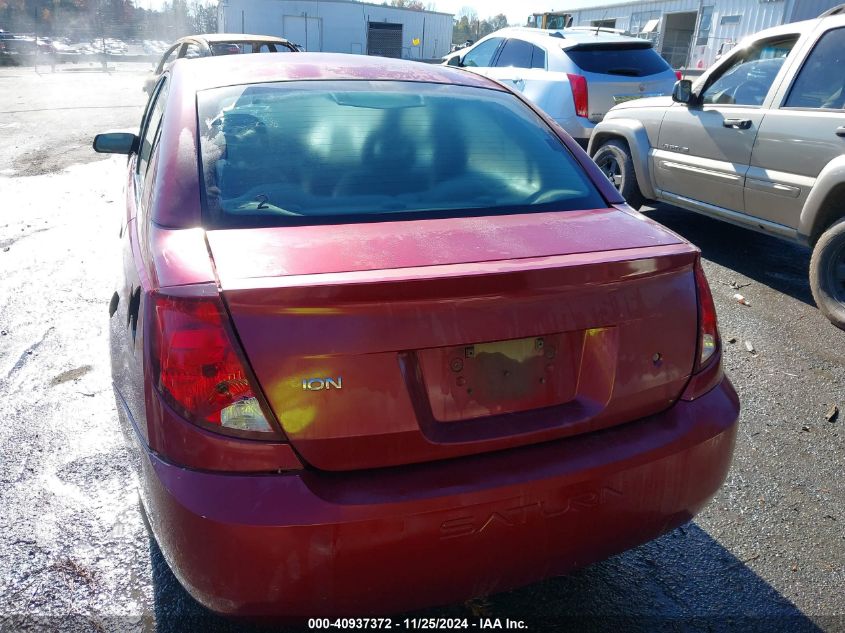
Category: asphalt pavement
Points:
column 767, row 554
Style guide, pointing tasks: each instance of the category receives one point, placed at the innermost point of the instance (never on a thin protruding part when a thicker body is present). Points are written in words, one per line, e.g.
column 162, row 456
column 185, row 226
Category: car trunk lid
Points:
column 380, row 344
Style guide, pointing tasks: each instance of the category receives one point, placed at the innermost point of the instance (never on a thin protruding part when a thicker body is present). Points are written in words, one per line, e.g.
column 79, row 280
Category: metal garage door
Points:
column 384, row 39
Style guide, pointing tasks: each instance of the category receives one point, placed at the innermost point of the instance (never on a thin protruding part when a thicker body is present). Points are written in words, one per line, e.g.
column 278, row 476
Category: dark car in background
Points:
column 387, row 338
column 213, row 44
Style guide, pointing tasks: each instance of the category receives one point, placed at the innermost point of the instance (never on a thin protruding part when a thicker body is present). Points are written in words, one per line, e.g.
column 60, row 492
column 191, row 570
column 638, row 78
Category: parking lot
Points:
column 767, row 554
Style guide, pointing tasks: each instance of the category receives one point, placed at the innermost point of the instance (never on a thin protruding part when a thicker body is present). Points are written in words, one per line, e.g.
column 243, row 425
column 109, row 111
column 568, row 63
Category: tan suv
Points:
column 758, row 141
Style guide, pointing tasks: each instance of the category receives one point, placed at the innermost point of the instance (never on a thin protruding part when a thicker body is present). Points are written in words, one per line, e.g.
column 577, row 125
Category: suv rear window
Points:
column 345, row 151
column 628, row 60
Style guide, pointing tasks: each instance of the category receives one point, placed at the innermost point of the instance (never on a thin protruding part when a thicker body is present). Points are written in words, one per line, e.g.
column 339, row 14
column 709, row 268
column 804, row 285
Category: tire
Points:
column 614, row 159
column 827, row 273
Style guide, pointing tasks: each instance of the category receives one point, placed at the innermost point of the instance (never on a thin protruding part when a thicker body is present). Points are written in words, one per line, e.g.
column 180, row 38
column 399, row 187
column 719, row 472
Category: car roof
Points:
column 230, row 70
column 565, row 38
column 214, row 38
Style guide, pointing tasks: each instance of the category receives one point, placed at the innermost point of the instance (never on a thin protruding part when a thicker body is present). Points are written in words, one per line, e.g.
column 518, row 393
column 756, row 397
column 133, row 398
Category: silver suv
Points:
column 574, row 75
column 758, row 141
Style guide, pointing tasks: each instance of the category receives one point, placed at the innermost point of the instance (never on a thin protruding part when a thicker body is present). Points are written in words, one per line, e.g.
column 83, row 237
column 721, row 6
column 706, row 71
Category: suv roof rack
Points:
column 837, row 10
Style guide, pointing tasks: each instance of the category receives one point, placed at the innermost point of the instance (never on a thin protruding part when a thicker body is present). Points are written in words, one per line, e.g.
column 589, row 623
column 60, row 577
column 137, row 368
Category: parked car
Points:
column 758, row 141
column 574, row 75
column 210, row 44
column 380, row 320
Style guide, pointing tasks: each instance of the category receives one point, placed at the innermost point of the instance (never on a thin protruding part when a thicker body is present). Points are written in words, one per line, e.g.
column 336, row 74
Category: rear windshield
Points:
column 233, row 48
column 613, row 59
column 351, row 151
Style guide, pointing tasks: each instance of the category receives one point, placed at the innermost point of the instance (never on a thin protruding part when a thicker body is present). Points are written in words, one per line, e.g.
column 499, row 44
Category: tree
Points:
column 469, row 27
column 414, row 5
column 498, row 22
column 90, row 19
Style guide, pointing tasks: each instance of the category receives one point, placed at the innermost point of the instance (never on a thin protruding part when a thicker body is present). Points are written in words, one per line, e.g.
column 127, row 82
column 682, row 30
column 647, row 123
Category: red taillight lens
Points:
column 578, row 84
column 197, row 368
column 708, row 330
column 679, row 75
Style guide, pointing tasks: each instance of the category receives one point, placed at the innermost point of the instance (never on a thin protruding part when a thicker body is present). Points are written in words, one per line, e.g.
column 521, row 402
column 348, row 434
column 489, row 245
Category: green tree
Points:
column 414, row 5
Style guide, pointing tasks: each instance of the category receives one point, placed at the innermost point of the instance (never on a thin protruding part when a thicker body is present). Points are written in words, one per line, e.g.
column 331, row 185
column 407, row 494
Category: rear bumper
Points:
column 579, row 128
column 375, row 542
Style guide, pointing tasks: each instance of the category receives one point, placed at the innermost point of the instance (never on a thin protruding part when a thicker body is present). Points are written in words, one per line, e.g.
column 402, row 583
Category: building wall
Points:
column 808, row 9
column 337, row 26
column 726, row 28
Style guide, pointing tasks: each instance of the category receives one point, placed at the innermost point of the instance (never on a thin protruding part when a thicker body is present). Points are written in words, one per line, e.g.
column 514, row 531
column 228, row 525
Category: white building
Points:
column 692, row 33
column 342, row 26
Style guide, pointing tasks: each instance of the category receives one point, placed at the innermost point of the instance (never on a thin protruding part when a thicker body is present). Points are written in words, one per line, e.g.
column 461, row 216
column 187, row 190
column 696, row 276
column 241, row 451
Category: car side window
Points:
column 749, row 77
column 817, row 84
column 538, row 58
column 515, row 54
column 149, row 131
column 482, row 55
column 192, row 51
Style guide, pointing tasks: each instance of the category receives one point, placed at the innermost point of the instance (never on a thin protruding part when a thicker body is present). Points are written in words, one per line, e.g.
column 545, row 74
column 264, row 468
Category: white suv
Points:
column 575, row 75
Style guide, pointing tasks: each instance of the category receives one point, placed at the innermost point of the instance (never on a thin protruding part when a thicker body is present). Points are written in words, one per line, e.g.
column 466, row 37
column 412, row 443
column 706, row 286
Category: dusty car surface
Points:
column 211, row 44
column 758, row 140
column 574, row 75
column 380, row 324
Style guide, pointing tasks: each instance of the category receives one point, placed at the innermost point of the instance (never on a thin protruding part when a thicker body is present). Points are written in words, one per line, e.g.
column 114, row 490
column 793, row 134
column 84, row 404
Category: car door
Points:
column 522, row 65
column 704, row 148
column 126, row 310
column 480, row 57
column 807, row 120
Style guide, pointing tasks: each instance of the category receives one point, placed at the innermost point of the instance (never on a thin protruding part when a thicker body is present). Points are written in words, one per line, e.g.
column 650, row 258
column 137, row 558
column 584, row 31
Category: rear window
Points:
column 350, row 151
column 225, row 48
column 233, row 48
column 614, row 59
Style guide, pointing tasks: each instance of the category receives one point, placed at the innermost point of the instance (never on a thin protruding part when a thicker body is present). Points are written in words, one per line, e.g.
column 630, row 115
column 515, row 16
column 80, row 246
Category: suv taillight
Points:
column 578, row 83
column 198, row 370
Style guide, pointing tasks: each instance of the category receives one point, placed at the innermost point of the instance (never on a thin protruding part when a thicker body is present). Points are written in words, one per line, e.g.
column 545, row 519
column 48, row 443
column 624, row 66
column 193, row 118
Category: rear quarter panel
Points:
column 126, row 321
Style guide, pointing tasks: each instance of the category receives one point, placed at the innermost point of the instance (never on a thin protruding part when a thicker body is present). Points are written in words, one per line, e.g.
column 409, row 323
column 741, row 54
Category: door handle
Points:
column 840, row 131
column 737, row 124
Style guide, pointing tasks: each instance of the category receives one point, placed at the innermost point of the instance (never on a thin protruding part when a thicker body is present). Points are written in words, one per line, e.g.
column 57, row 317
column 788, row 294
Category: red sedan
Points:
column 387, row 338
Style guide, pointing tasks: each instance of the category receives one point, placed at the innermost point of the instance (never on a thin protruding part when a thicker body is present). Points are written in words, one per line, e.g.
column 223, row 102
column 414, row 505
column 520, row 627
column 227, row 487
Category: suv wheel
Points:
column 614, row 159
column 827, row 273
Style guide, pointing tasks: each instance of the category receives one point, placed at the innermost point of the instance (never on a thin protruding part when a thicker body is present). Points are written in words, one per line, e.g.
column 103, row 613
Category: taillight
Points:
column 708, row 330
column 679, row 75
column 197, row 368
column 707, row 372
column 578, row 83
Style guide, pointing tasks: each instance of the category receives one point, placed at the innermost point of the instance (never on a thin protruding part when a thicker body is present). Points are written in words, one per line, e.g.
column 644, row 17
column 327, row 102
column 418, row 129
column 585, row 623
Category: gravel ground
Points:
column 767, row 554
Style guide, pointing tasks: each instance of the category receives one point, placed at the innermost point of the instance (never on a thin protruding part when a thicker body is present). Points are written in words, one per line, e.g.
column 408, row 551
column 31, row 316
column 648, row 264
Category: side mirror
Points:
column 116, row 143
column 682, row 92
column 455, row 61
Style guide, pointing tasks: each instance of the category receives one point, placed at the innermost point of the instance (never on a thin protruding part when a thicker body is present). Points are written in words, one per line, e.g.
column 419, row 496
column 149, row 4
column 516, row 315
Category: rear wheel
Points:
column 614, row 159
column 827, row 273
